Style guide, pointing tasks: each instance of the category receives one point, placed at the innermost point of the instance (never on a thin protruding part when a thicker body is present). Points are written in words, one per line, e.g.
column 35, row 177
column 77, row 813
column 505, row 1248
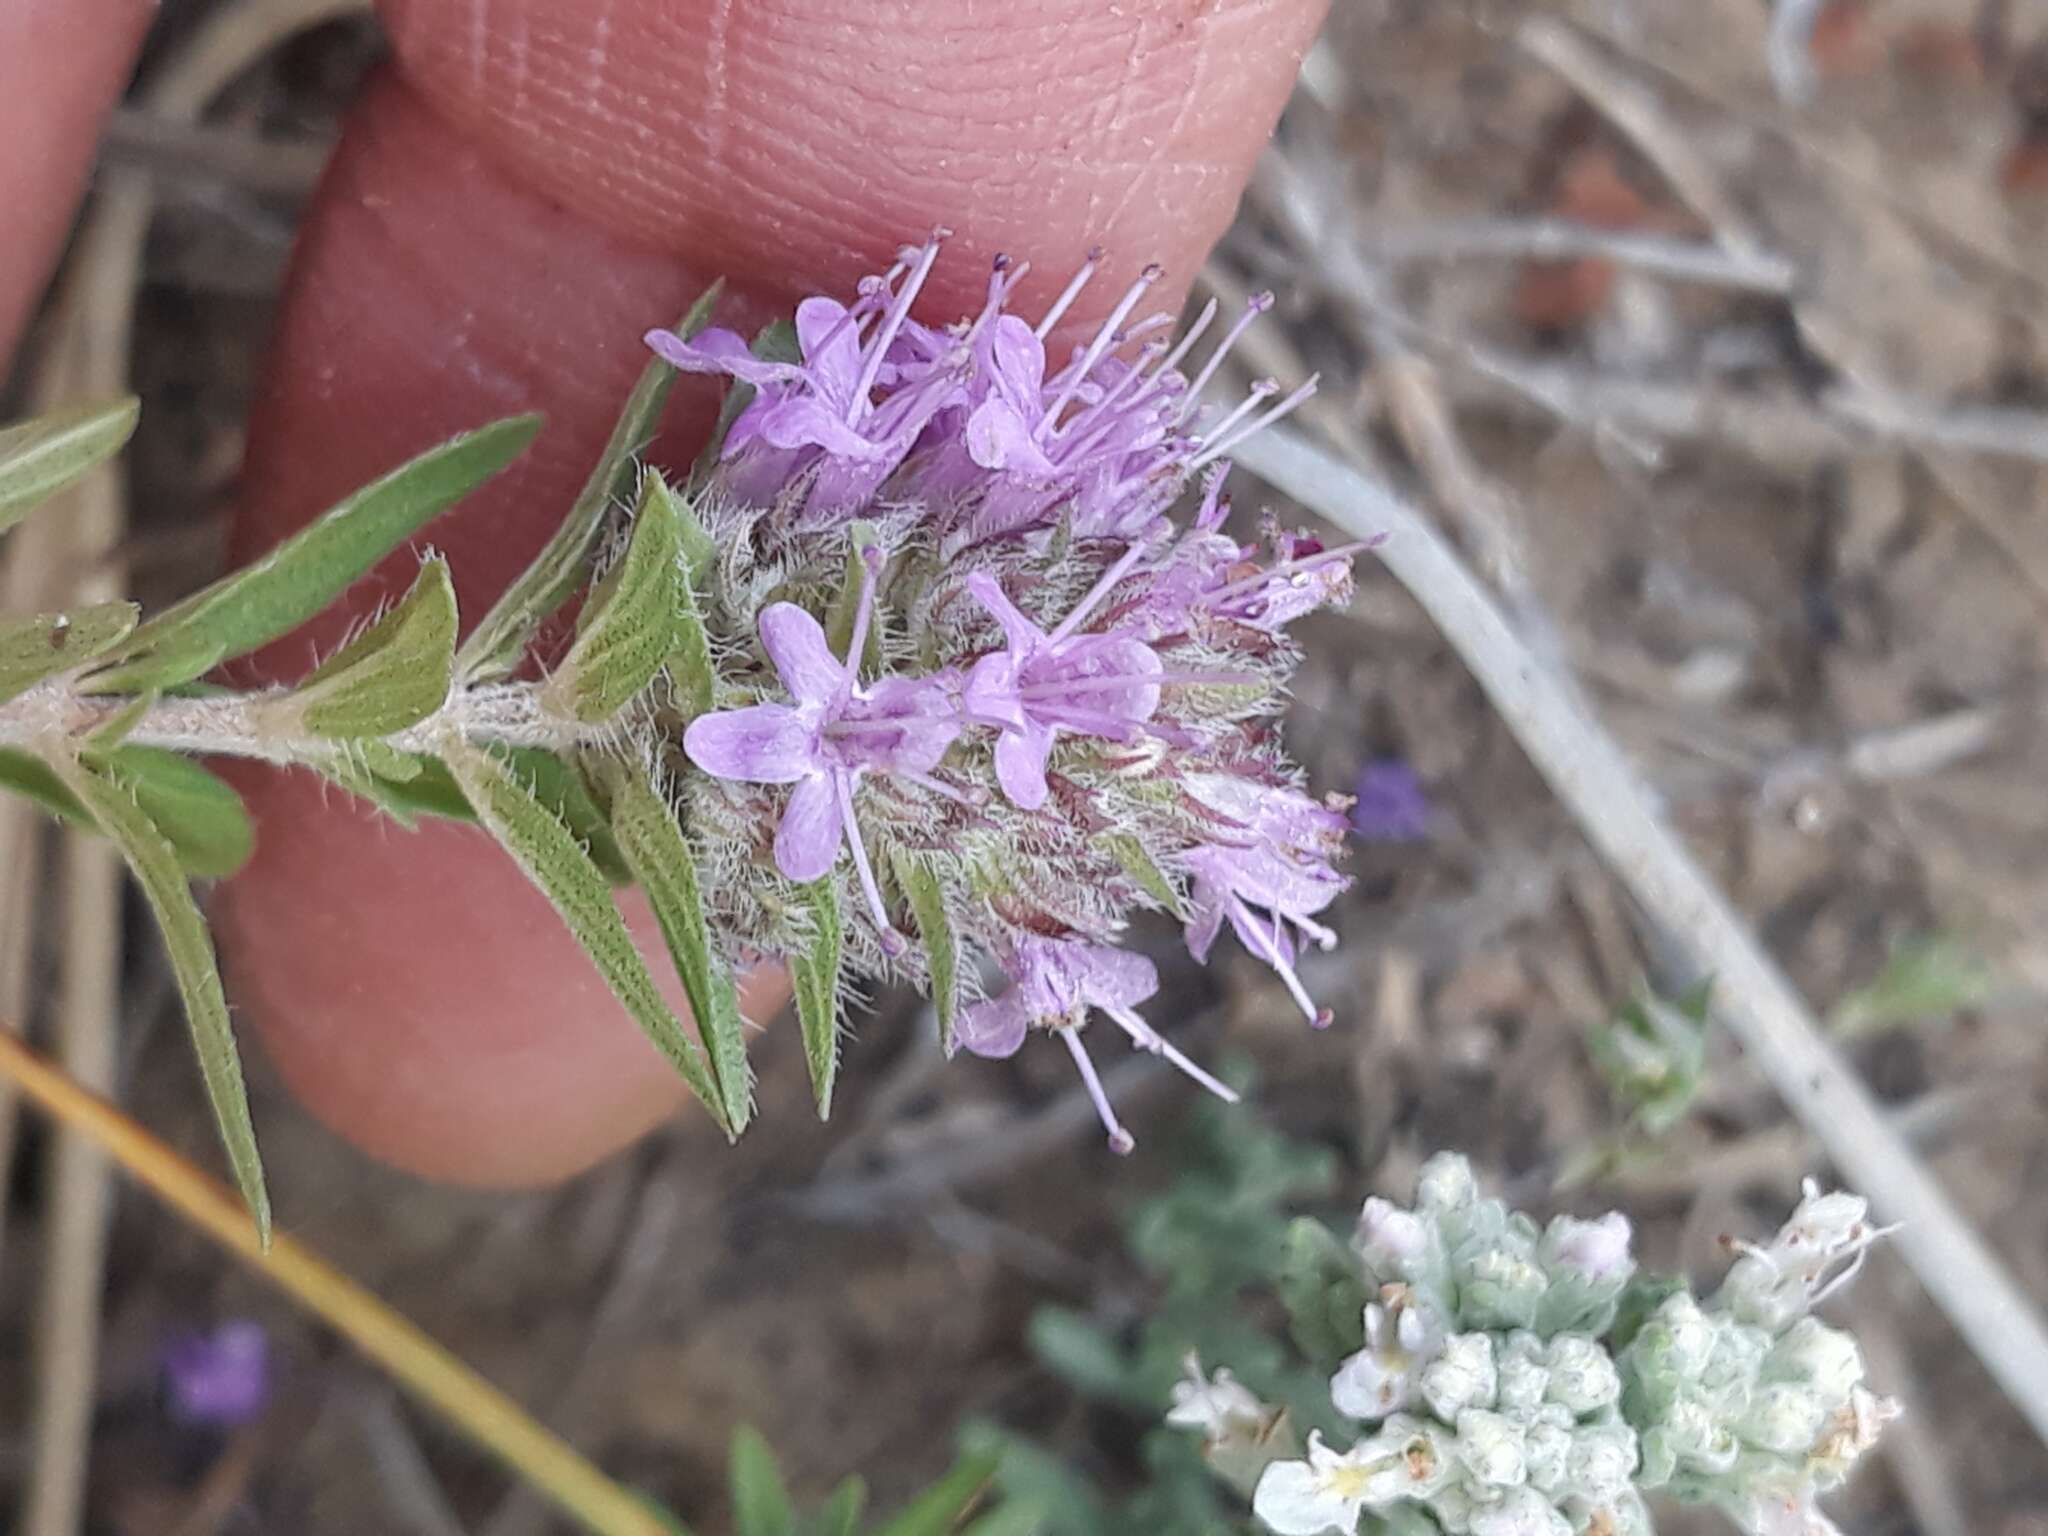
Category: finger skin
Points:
column 62, row 66
column 544, row 182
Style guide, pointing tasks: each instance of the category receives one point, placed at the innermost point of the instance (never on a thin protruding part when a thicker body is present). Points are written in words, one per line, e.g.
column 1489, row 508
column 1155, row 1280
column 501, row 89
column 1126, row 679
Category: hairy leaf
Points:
column 49, row 643
column 1139, row 865
column 690, row 671
column 940, row 1509
column 494, row 649
column 255, row 605
column 401, row 785
column 200, row 815
column 109, row 792
column 921, row 888
column 814, row 977
column 659, row 856
column 628, row 627
column 506, row 803
column 394, row 674
column 40, row 457
column 760, row 1502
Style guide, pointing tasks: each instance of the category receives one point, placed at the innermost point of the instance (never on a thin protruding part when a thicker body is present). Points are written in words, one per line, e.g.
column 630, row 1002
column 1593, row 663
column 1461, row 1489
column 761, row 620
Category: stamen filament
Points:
column 1105, row 338
column 1146, row 1038
column 1121, row 1141
column 1067, row 296
column 1219, row 444
column 1097, row 593
column 1257, row 306
column 893, row 943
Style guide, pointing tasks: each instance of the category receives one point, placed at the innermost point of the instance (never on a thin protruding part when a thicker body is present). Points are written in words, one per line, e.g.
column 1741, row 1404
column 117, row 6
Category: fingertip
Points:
column 62, row 67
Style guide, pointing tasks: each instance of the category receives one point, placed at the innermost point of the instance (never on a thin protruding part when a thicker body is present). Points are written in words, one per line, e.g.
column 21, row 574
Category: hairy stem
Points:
column 252, row 725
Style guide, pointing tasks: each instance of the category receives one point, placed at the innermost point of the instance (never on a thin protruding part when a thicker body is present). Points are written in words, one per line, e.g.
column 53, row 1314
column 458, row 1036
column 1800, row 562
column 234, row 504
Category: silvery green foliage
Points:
column 1508, row 1379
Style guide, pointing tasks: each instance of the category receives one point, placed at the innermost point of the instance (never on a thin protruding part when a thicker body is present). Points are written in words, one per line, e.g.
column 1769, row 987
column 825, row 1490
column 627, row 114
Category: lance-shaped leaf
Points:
column 198, row 812
column 690, row 672
column 920, row 885
column 562, row 868
column 39, row 458
column 628, row 627
column 109, row 794
column 940, row 1509
column 814, row 977
column 201, row 816
column 255, row 605
column 660, row 859
column 495, row 647
column 1140, row 866
column 760, row 1501
column 392, row 675
column 49, row 643
column 840, row 1515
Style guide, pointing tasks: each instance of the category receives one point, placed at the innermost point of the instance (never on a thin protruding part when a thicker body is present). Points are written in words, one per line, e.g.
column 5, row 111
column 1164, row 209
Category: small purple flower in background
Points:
column 1389, row 805
column 1053, row 984
column 1024, row 786
column 221, row 1379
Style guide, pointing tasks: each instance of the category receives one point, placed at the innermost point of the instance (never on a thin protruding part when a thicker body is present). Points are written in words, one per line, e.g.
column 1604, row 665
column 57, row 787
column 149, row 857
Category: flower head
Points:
column 1054, row 701
column 219, row 1379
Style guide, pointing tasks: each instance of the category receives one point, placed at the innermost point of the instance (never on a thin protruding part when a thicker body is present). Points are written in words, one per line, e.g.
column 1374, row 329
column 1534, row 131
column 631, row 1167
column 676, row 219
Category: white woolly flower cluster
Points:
column 1508, row 1379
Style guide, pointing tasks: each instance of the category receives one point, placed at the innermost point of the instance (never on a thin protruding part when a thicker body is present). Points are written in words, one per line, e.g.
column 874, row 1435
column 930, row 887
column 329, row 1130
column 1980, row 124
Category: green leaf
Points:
column 109, row 793
column 814, row 977
column 203, row 819
column 40, row 457
column 253, row 606
column 555, row 861
column 400, row 784
column 1086, row 1357
column 691, row 674
column 760, row 1502
column 1927, row 977
column 49, row 643
column 942, row 1507
column 659, row 856
column 394, row 674
column 1139, row 865
column 497, row 645
column 628, row 627
column 841, row 1514
column 920, row 883
column 1324, row 1295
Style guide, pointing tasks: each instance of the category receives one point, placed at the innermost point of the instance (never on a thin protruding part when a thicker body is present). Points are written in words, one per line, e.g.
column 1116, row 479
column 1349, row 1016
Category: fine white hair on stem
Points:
column 1589, row 773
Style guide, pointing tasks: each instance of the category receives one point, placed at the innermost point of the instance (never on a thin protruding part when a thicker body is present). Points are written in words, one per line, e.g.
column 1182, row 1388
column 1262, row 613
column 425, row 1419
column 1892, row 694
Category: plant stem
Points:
column 427, row 1370
column 252, row 725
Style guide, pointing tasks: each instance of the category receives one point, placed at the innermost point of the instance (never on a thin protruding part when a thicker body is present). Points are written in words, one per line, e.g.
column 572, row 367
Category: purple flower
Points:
column 1389, row 805
column 822, row 414
column 1042, row 684
column 218, row 1380
column 834, row 732
column 1269, row 870
column 1053, row 984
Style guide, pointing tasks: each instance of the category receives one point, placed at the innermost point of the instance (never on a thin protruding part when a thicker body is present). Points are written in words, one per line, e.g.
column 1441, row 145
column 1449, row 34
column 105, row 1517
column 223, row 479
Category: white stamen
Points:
column 1121, row 1141
column 1067, row 296
column 893, row 943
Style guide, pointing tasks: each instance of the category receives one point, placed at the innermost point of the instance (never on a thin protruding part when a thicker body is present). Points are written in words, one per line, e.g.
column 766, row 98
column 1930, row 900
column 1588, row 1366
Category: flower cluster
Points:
column 958, row 634
column 1511, row 1380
